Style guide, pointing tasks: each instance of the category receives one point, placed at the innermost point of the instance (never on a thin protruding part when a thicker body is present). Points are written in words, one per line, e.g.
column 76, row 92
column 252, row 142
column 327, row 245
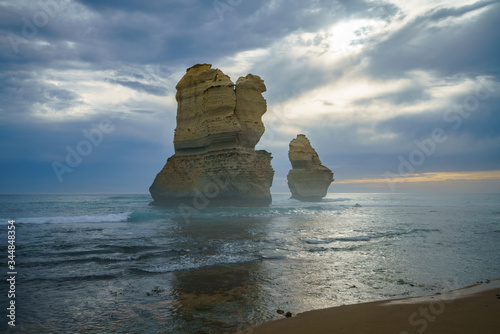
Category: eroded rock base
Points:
column 309, row 185
column 232, row 177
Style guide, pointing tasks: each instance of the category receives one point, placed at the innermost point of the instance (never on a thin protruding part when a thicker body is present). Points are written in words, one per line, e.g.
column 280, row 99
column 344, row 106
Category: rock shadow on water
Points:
column 216, row 299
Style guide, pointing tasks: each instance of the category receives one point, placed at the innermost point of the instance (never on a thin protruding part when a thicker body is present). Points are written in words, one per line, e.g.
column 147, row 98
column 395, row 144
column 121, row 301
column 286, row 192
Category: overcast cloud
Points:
column 366, row 81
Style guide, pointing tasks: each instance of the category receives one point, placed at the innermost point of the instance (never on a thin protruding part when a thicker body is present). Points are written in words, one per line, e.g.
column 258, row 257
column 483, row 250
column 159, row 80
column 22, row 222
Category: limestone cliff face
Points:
column 214, row 114
column 308, row 179
column 250, row 106
column 218, row 125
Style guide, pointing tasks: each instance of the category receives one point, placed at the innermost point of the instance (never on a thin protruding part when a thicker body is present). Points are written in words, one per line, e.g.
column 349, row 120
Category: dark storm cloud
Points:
column 407, row 96
column 473, row 116
column 54, row 34
column 430, row 43
column 21, row 92
column 164, row 31
column 444, row 13
column 18, row 92
column 139, row 86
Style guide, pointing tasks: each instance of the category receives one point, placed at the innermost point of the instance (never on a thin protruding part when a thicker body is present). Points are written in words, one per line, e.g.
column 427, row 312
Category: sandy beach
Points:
column 473, row 309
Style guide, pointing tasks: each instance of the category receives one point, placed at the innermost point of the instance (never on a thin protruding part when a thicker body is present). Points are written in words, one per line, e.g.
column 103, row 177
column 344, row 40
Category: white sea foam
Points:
column 185, row 263
column 359, row 238
column 320, row 241
column 109, row 218
column 118, row 258
column 331, row 240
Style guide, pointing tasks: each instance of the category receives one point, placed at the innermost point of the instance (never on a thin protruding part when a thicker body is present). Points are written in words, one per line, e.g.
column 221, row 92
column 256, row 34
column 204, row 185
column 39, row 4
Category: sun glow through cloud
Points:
column 362, row 80
column 443, row 180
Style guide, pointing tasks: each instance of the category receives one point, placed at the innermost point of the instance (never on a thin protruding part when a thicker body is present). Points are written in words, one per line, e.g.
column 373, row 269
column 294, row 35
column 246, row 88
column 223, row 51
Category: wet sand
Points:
column 474, row 309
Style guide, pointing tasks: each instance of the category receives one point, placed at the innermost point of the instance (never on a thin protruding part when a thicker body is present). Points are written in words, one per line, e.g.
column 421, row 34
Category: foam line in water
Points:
column 190, row 263
column 331, row 240
column 360, row 238
column 109, row 218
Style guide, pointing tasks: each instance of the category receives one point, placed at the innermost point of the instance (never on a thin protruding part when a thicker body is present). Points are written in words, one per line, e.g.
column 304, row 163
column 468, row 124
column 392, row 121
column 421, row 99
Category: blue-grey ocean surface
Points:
column 113, row 264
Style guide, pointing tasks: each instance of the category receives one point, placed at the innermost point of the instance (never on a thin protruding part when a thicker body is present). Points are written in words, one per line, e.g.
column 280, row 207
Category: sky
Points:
column 395, row 96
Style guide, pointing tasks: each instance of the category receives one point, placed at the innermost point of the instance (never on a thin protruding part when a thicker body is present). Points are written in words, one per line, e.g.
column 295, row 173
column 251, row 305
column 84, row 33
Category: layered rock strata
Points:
column 308, row 180
column 218, row 125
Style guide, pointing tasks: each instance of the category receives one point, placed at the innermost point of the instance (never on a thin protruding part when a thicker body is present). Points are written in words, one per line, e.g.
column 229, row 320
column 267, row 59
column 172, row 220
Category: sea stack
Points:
column 215, row 161
column 308, row 179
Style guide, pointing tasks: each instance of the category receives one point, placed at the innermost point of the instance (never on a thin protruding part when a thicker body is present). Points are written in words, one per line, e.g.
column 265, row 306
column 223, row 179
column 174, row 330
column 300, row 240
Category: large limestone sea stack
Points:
column 218, row 125
column 308, row 179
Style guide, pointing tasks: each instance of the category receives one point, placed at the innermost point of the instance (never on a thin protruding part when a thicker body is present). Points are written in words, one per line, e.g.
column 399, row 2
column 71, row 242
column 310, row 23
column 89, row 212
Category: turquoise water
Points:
column 113, row 264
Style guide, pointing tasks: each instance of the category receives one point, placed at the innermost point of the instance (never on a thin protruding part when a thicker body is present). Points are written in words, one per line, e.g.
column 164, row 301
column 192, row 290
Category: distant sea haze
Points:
column 114, row 264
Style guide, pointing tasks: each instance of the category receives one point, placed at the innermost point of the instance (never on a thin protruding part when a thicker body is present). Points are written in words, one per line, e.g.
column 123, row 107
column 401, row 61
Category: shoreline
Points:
column 472, row 309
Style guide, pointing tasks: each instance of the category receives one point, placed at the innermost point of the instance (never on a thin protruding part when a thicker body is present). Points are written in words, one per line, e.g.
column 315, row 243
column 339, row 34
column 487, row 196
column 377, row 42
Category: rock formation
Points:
column 308, row 179
column 218, row 125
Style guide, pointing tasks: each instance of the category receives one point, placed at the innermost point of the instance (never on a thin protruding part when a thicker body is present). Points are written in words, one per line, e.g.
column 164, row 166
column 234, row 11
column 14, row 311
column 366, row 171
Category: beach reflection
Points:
column 226, row 296
column 216, row 299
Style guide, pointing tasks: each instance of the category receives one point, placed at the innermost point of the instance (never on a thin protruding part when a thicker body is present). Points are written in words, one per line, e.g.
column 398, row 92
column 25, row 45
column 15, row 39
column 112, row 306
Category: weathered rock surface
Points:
column 218, row 125
column 308, row 179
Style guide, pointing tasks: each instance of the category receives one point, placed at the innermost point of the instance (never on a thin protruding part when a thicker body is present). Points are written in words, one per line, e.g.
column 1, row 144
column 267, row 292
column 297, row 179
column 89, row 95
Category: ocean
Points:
column 114, row 264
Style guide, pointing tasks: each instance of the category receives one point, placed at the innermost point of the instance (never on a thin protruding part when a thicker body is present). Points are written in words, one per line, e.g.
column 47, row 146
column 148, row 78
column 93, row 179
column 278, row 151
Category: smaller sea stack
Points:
column 308, row 179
